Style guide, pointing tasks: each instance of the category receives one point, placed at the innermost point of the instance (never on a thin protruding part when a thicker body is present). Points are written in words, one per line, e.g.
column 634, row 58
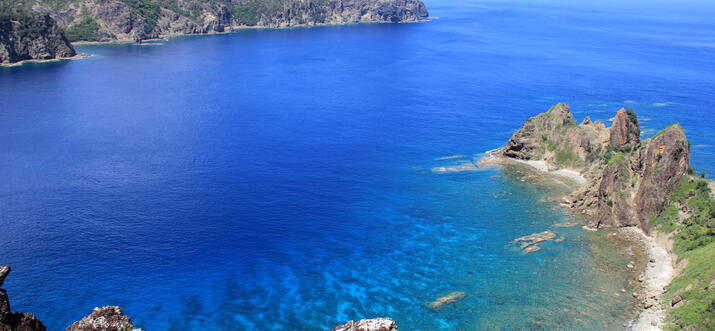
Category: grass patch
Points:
column 567, row 157
column 694, row 241
column 618, row 158
column 666, row 129
column 551, row 145
column 87, row 30
column 697, row 312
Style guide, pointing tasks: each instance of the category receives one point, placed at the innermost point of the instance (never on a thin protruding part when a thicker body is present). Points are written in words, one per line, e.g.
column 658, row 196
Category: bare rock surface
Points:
column 31, row 36
column 14, row 321
column 375, row 324
column 108, row 318
column 130, row 21
column 628, row 180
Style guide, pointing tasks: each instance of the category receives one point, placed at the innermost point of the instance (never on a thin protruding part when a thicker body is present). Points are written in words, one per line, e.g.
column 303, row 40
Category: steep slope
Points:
column 29, row 36
column 137, row 20
column 647, row 184
column 629, row 180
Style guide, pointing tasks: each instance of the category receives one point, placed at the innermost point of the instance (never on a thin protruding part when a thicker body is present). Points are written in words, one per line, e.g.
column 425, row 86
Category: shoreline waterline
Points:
column 538, row 165
column 659, row 270
column 657, row 275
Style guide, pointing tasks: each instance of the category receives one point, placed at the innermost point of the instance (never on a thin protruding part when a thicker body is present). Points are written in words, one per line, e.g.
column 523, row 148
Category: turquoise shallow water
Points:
column 280, row 179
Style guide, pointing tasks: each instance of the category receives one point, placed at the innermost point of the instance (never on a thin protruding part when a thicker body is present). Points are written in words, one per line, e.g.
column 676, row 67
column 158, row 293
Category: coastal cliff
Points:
column 633, row 183
column 25, row 35
column 629, row 180
column 137, row 20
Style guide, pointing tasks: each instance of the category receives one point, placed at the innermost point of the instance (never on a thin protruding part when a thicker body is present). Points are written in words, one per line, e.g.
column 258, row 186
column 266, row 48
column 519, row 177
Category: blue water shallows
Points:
column 280, row 179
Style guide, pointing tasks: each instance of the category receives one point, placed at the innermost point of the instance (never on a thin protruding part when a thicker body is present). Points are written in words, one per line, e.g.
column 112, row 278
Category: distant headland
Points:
column 44, row 30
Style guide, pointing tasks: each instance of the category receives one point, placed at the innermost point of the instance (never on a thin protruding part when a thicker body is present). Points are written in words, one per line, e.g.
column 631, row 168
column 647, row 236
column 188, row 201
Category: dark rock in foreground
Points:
column 4, row 271
column 15, row 321
column 109, row 318
column 375, row 324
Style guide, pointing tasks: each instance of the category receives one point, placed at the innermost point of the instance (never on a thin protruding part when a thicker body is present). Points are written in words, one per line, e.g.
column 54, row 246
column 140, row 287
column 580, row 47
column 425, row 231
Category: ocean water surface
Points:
column 280, row 179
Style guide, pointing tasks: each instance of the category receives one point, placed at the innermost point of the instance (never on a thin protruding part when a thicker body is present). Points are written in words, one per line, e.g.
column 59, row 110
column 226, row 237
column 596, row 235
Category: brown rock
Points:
column 677, row 299
column 10, row 321
column 4, row 271
column 625, row 129
column 663, row 169
column 375, row 324
column 109, row 318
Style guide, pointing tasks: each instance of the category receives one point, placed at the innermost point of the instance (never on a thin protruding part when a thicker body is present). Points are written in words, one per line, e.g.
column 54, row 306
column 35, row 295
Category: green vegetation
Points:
column 666, row 129
column 697, row 228
column 567, row 157
column 149, row 10
column 86, row 30
column 551, row 145
column 697, row 311
column 250, row 13
column 691, row 216
column 30, row 24
column 618, row 158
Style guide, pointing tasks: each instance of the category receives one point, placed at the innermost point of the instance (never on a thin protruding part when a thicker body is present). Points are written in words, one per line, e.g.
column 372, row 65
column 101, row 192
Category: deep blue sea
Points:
column 280, row 179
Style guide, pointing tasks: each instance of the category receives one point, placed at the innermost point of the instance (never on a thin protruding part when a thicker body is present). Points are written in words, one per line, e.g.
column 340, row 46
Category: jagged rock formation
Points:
column 4, row 271
column 29, row 36
column 10, row 321
column 137, row 20
column 109, row 318
column 375, row 324
column 629, row 180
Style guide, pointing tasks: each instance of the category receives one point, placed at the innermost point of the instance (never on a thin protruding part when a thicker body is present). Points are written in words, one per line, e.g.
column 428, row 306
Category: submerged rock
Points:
column 447, row 299
column 109, row 318
column 532, row 248
column 375, row 324
column 537, row 237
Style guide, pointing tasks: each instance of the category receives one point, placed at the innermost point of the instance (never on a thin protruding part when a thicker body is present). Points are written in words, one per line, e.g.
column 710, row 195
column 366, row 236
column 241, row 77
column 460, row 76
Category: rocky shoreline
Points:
column 44, row 30
column 623, row 183
column 654, row 277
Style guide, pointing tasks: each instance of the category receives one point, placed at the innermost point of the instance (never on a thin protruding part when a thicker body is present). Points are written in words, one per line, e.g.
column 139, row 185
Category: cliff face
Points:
column 28, row 36
column 15, row 321
column 136, row 20
column 629, row 180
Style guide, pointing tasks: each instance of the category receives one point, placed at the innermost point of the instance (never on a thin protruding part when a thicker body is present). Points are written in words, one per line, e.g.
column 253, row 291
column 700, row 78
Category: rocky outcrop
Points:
column 333, row 12
column 665, row 162
column 629, row 180
column 375, row 324
column 109, row 318
column 137, row 20
column 4, row 271
column 30, row 36
column 10, row 321
column 625, row 129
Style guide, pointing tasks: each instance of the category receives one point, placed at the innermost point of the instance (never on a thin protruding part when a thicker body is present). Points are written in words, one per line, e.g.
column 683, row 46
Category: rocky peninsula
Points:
column 137, row 20
column 25, row 35
column 644, row 189
column 43, row 30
